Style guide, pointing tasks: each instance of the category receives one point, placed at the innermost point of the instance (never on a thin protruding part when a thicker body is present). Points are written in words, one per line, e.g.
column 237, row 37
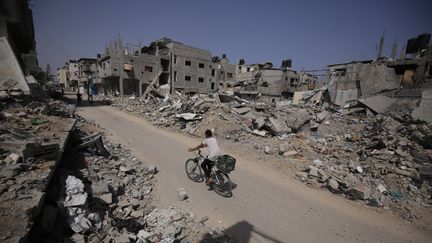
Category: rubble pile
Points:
column 32, row 139
column 380, row 158
column 109, row 198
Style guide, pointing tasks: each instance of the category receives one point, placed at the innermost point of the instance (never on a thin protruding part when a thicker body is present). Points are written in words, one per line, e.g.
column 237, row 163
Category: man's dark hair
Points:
column 208, row 134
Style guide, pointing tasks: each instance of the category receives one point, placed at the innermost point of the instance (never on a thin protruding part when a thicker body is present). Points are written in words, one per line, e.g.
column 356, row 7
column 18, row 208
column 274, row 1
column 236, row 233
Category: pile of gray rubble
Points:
column 109, row 198
column 376, row 150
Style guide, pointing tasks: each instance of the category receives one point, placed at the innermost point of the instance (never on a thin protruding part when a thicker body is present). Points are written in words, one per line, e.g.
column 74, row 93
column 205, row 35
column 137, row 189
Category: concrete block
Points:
column 182, row 195
column 107, row 198
column 381, row 188
column 333, row 185
column 313, row 171
column 361, row 192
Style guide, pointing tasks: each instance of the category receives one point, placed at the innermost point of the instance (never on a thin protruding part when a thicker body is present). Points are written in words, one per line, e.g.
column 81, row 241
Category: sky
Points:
column 313, row 34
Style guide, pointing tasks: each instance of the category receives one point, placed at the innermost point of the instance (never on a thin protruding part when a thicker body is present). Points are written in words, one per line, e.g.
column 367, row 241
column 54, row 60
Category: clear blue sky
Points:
column 312, row 33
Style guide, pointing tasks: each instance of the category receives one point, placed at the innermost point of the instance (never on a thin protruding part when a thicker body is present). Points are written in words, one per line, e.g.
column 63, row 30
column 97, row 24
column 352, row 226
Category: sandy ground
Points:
column 267, row 206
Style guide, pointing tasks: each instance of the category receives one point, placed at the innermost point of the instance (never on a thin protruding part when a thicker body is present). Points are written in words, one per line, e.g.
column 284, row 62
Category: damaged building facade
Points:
column 262, row 82
column 191, row 69
column 126, row 71
column 407, row 77
column 164, row 63
column 16, row 25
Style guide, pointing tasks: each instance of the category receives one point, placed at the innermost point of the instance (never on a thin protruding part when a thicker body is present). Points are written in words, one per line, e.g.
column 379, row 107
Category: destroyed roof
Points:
column 104, row 58
column 346, row 63
column 86, row 59
column 404, row 62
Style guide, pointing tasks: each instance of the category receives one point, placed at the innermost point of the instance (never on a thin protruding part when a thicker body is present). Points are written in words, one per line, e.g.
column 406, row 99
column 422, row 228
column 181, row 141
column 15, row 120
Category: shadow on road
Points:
column 71, row 99
column 242, row 232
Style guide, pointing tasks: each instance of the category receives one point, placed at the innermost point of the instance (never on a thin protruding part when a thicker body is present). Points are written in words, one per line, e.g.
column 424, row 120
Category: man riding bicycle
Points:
column 214, row 152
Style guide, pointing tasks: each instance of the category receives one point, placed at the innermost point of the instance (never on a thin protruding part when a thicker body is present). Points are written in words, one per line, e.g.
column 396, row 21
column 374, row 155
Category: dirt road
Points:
column 266, row 206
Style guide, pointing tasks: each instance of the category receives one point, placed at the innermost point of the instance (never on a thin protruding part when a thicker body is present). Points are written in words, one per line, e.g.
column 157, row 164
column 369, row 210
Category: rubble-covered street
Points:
column 382, row 160
column 61, row 185
column 157, row 122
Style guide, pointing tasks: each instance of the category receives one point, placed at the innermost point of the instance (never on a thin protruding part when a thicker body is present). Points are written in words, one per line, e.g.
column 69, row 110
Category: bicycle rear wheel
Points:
column 222, row 184
column 193, row 170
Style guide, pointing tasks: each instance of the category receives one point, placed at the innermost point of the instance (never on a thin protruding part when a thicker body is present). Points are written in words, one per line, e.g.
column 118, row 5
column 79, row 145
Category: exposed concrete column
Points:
column 140, row 83
column 121, row 73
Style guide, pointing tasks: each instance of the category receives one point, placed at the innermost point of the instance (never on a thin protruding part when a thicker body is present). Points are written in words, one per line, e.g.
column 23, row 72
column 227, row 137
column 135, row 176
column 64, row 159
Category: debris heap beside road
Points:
column 372, row 150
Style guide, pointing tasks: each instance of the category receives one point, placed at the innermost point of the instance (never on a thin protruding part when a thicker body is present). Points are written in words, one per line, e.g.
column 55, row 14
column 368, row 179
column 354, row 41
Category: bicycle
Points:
column 221, row 182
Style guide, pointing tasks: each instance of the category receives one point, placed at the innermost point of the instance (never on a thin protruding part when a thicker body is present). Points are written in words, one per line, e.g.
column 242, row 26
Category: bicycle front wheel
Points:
column 222, row 184
column 193, row 170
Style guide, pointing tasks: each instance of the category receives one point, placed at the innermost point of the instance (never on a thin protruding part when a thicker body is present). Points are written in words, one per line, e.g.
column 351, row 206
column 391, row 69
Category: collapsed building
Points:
column 263, row 83
column 406, row 80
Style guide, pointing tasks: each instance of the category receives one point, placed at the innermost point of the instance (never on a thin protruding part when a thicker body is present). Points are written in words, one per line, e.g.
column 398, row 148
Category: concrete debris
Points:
column 290, row 153
column 378, row 103
column 333, row 185
column 110, row 203
column 381, row 188
column 278, row 126
column 181, row 194
column 189, row 116
column 242, row 111
column 361, row 192
column 424, row 111
column 106, row 198
column 75, row 195
column 353, row 145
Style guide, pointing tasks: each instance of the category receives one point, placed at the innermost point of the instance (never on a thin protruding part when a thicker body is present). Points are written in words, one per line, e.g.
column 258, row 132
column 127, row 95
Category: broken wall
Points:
column 344, row 84
column 11, row 74
column 376, row 78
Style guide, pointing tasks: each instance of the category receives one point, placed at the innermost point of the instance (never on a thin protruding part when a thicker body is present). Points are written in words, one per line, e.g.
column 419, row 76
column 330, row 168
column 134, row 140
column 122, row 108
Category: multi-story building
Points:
column 16, row 24
column 62, row 76
column 225, row 73
column 72, row 74
column 86, row 71
column 167, row 63
column 125, row 72
column 191, row 69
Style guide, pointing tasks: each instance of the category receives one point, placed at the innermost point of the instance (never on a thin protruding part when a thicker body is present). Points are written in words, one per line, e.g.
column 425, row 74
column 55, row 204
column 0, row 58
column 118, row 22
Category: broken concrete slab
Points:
column 242, row 111
column 259, row 122
column 99, row 188
column 376, row 78
column 259, row 133
column 333, row 185
column 144, row 235
column 302, row 176
column 341, row 97
column 313, row 171
column 279, row 126
column 321, row 116
column 296, row 118
column 189, row 116
column 106, row 198
column 377, row 103
column 290, row 153
column 424, row 111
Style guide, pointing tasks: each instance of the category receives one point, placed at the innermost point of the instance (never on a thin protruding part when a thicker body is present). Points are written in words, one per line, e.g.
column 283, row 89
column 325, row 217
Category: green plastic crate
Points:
column 226, row 163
